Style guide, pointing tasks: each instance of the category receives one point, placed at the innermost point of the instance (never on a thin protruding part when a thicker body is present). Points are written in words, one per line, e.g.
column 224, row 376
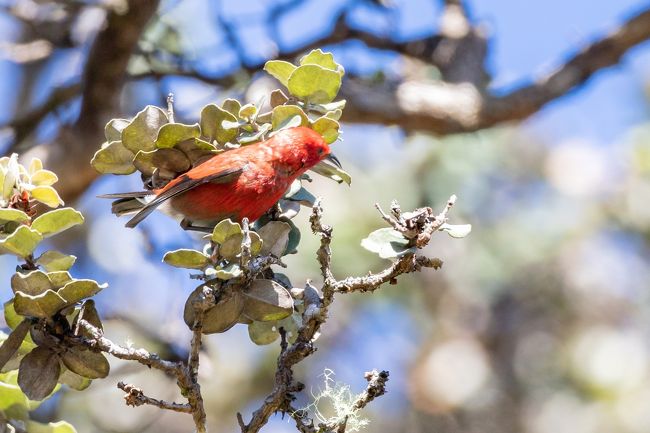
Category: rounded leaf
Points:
column 328, row 128
column 76, row 290
column 13, row 215
column 21, row 242
column 142, row 132
column 38, row 373
column 56, row 261
column 314, row 84
column 46, row 195
column 288, row 116
column 56, row 221
column 280, row 70
column 31, row 283
column 266, row 300
column 173, row 133
column 320, row 58
column 456, row 230
column 387, row 242
column 59, row 278
column 224, row 230
column 263, row 333
column 275, row 238
column 42, row 306
column 113, row 158
column 212, row 117
column 219, row 318
column 113, row 129
column 43, row 177
column 185, row 258
column 226, row 272
column 73, row 380
column 332, row 172
column 170, row 160
column 86, row 363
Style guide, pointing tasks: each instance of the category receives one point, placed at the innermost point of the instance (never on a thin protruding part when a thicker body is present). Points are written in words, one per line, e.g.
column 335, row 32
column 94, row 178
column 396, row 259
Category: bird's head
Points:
column 300, row 148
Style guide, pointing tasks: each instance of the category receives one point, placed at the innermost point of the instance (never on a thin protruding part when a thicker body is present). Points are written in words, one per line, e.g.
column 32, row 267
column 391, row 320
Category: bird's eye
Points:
column 320, row 150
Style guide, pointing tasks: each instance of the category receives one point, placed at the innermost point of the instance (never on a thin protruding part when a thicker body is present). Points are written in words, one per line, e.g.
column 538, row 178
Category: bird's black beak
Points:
column 334, row 160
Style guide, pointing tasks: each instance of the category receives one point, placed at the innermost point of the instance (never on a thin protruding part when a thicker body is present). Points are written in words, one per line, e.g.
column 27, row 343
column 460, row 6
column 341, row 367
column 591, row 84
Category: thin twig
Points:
column 136, row 397
column 99, row 342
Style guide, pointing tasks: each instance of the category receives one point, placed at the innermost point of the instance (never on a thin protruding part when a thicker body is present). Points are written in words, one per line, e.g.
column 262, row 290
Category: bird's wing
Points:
column 184, row 183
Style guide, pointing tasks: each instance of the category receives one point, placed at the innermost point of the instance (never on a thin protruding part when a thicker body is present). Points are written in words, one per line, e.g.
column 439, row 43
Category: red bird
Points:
column 241, row 183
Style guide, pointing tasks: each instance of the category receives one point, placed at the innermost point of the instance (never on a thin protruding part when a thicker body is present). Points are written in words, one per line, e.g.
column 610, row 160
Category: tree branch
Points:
column 135, row 397
column 445, row 108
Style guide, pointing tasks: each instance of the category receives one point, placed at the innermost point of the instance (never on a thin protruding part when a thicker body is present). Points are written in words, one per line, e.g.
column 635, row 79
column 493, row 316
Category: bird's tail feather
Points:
column 128, row 202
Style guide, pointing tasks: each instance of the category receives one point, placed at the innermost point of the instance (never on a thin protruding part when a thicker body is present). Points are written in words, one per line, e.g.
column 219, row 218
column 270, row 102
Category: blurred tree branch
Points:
column 457, row 102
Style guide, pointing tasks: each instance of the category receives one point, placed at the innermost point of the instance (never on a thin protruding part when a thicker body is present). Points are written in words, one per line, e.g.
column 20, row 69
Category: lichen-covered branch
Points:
column 316, row 312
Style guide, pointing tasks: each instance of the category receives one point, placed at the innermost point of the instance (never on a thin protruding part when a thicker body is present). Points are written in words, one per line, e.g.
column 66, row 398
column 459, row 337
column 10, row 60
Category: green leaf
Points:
column 275, row 238
column 314, row 84
column 328, row 128
column 266, row 300
column 280, row 70
column 294, row 239
column 263, row 333
column 59, row 278
column 278, row 98
column 113, row 158
column 56, row 261
column 248, row 111
column 76, row 290
column 38, row 373
column 332, row 172
column 113, row 129
column 173, row 133
column 46, row 195
column 43, row 177
column 326, row 60
column 456, row 230
column 254, row 137
column 56, row 221
column 32, row 283
column 13, row 215
column 86, row 363
column 387, row 242
column 144, row 162
column 231, row 247
column 171, row 160
column 42, row 306
column 232, row 106
column 185, row 258
column 34, row 165
column 13, row 403
column 224, row 230
column 303, row 197
column 21, row 242
column 212, row 117
column 232, row 270
column 219, row 318
column 12, row 318
column 288, row 116
column 74, row 381
column 142, row 132
column 11, row 345
column 52, row 427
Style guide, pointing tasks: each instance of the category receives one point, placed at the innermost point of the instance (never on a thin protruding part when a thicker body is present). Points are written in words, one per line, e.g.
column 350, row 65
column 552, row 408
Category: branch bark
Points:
column 103, row 76
column 445, row 108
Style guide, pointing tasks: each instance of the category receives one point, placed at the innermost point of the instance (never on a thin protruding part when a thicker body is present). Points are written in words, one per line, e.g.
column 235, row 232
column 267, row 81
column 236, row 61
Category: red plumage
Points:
column 241, row 183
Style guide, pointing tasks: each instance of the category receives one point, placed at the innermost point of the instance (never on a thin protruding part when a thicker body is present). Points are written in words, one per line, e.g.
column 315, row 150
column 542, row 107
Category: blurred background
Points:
column 538, row 322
